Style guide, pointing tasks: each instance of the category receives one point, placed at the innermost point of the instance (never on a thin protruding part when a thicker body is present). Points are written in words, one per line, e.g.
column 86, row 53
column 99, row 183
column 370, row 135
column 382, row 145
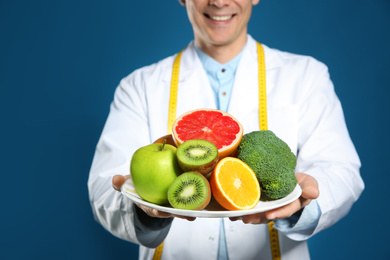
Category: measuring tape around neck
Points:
column 263, row 125
column 273, row 233
column 173, row 93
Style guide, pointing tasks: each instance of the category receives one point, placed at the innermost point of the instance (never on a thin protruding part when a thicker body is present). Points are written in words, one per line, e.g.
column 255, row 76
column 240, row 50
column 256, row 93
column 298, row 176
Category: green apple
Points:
column 153, row 168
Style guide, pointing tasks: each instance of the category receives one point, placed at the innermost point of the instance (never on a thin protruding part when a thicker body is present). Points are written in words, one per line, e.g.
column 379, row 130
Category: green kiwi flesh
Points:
column 190, row 191
column 197, row 155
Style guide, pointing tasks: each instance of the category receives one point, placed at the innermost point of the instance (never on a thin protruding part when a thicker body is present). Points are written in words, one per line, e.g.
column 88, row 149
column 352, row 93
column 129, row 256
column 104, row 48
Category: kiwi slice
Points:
column 190, row 191
column 197, row 155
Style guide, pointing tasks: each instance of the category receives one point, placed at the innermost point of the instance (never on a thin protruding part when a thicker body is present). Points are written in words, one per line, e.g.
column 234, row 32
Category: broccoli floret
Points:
column 272, row 161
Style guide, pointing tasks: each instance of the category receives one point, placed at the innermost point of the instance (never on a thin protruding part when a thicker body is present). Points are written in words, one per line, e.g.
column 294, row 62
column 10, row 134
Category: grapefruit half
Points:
column 215, row 126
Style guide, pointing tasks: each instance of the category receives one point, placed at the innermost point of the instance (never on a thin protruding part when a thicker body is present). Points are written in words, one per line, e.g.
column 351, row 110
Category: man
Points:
column 219, row 69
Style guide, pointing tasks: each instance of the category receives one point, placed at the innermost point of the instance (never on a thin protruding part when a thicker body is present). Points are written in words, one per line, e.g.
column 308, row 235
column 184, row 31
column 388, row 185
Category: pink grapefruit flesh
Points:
column 215, row 126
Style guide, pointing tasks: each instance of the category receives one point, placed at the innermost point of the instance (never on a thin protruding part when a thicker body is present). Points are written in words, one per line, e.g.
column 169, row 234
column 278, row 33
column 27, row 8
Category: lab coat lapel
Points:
column 194, row 89
column 244, row 103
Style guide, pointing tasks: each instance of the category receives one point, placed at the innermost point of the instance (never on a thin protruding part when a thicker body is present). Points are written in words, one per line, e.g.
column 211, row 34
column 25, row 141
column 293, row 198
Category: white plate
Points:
column 213, row 210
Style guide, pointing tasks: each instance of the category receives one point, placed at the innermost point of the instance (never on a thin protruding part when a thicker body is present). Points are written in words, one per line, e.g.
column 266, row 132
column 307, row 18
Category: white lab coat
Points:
column 303, row 110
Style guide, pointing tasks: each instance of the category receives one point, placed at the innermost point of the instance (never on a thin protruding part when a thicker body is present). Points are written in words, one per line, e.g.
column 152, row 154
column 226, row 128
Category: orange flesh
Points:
column 234, row 185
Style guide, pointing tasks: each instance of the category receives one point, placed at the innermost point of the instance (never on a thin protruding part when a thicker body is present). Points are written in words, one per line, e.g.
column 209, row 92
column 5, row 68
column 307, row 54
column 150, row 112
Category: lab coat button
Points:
column 211, row 238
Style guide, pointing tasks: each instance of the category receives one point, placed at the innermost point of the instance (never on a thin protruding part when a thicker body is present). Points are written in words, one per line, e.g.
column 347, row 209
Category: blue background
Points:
column 60, row 62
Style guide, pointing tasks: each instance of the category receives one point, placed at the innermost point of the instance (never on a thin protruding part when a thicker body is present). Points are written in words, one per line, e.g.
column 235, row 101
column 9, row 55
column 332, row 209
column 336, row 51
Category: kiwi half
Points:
column 190, row 191
column 197, row 155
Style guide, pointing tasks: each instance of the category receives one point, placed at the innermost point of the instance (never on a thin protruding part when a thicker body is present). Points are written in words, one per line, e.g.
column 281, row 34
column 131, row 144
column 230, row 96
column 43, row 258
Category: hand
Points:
column 310, row 191
column 117, row 182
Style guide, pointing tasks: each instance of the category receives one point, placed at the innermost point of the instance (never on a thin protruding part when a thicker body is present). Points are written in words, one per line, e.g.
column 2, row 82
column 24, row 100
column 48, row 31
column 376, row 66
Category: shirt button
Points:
column 224, row 93
column 223, row 70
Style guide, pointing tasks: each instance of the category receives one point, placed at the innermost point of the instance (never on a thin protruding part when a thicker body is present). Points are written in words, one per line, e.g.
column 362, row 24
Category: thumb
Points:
column 118, row 180
column 309, row 186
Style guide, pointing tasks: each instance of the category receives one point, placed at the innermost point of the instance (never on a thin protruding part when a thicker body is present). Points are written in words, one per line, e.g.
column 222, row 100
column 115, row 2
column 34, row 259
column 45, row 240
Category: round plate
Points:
column 213, row 210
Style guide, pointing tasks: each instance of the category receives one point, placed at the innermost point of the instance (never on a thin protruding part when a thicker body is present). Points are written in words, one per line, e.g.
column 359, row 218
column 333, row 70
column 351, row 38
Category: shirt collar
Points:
column 213, row 67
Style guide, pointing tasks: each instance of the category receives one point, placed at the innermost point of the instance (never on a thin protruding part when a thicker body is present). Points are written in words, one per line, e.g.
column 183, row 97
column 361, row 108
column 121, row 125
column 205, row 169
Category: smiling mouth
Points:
column 219, row 18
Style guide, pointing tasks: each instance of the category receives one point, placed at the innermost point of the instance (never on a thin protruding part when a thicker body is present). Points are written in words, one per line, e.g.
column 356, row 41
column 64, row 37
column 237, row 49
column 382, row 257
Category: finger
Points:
column 118, row 180
column 287, row 210
column 161, row 214
column 184, row 217
column 154, row 212
column 255, row 219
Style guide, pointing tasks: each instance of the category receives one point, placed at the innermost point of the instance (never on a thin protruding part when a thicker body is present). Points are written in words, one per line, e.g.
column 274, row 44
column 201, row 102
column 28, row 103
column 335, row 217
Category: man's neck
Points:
column 222, row 53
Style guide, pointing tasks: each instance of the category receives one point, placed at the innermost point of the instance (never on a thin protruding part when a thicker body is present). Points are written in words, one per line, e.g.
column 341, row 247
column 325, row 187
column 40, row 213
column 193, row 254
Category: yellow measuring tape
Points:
column 158, row 252
column 273, row 233
column 262, row 89
column 274, row 241
column 173, row 94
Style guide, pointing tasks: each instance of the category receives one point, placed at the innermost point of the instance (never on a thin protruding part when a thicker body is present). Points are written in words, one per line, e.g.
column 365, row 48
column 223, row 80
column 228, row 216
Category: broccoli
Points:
column 272, row 161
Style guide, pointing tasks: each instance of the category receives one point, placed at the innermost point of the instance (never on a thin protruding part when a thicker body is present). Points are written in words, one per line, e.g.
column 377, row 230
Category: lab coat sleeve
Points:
column 325, row 151
column 302, row 222
column 126, row 130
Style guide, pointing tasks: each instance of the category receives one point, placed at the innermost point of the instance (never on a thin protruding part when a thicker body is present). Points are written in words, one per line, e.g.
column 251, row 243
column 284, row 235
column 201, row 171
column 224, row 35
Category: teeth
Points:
column 221, row 18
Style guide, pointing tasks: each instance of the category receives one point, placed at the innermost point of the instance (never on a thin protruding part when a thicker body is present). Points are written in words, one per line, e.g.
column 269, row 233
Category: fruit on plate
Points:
column 234, row 185
column 215, row 126
column 190, row 191
column 197, row 155
column 168, row 139
column 153, row 168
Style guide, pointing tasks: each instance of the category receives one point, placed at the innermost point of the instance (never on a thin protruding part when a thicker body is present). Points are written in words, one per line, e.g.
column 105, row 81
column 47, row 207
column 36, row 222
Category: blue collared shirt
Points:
column 221, row 77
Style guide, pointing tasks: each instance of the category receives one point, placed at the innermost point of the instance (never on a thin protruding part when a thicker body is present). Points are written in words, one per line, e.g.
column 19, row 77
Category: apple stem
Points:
column 162, row 147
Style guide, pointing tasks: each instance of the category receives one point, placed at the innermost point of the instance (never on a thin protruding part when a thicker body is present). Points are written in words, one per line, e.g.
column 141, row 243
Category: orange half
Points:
column 234, row 185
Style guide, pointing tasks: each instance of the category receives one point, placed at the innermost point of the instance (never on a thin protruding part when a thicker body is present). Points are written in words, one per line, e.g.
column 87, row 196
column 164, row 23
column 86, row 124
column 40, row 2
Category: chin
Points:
column 225, row 37
column 218, row 41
